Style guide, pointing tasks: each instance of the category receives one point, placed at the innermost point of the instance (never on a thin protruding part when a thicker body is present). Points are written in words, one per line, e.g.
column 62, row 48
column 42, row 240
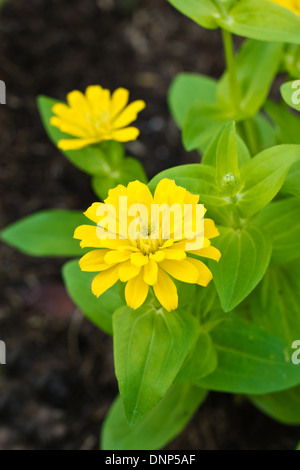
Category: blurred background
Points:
column 59, row 379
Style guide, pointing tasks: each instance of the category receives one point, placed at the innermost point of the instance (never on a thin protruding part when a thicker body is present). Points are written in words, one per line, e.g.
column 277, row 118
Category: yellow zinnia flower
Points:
column 96, row 116
column 151, row 254
column 293, row 5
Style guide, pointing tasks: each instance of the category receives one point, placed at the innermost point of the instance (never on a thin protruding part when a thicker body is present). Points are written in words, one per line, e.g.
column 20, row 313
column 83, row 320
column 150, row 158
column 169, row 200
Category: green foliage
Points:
column 261, row 57
column 245, row 257
column 46, row 233
column 256, row 19
column 98, row 310
column 275, row 305
column 188, row 89
column 160, row 426
column 149, row 349
column 250, row 360
column 281, row 219
column 263, row 177
column 249, row 181
column 201, row 362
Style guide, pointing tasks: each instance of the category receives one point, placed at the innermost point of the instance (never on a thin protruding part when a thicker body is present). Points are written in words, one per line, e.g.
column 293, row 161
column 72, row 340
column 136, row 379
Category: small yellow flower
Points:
column 96, row 116
column 293, row 5
column 151, row 254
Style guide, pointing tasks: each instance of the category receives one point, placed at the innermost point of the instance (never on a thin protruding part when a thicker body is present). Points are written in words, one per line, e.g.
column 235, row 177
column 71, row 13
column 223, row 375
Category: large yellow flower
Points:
column 96, row 116
column 293, row 5
column 149, row 256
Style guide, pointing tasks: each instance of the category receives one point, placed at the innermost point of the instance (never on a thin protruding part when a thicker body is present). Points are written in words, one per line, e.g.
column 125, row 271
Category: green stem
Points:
column 231, row 69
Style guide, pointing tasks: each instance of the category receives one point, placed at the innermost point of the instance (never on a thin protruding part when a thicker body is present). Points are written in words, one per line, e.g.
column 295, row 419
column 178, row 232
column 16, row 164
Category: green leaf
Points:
column 263, row 177
column 281, row 220
column 245, row 257
column 201, row 362
column 262, row 20
column 290, row 92
column 98, row 310
column 286, row 123
column 202, row 12
column 250, row 361
column 275, row 304
column 292, row 182
column 227, row 169
column 46, row 233
column 210, row 155
column 188, row 89
column 149, row 349
column 162, row 424
column 282, row 406
column 90, row 159
column 202, row 123
column 264, row 58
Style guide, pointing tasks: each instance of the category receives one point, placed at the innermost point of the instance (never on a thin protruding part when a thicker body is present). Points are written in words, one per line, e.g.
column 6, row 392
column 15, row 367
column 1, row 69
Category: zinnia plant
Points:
column 195, row 274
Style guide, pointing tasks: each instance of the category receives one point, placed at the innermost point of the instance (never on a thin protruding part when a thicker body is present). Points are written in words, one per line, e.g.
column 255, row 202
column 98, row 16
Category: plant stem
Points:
column 231, row 69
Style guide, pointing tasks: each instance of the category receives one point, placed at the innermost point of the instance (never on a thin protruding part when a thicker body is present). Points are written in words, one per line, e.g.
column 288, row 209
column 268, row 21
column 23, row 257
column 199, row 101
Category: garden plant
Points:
column 195, row 274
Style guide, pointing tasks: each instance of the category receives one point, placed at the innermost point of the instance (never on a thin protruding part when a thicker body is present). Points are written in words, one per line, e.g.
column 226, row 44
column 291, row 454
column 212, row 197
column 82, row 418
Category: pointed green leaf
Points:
column 164, row 422
column 210, row 155
column 46, row 233
column 149, row 349
column 245, row 257
column 227, row 168
column 263, row 177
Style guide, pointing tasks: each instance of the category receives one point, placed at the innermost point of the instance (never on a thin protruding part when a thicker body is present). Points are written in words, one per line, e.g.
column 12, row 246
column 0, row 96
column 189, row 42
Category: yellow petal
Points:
column 127, row 271
column 76, row 144
column 68, row 128
column 105, row 280
column 157, row 256
column 210, row 230
column 94, row 261
column 78, row 101
column 136, row 291
column 181, row 270
column 117, row 256
column 98, row 98
column 210, row 252
column 89, row 238
column 118, row 101
column 138, row 259
column 150, row 272
column 172, row 253
column 205, row 275
column 129, row 114
column 125, row 135
column 165, row 291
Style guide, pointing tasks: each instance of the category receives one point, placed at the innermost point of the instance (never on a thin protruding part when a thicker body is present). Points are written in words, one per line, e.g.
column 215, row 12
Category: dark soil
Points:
column 59, row 380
